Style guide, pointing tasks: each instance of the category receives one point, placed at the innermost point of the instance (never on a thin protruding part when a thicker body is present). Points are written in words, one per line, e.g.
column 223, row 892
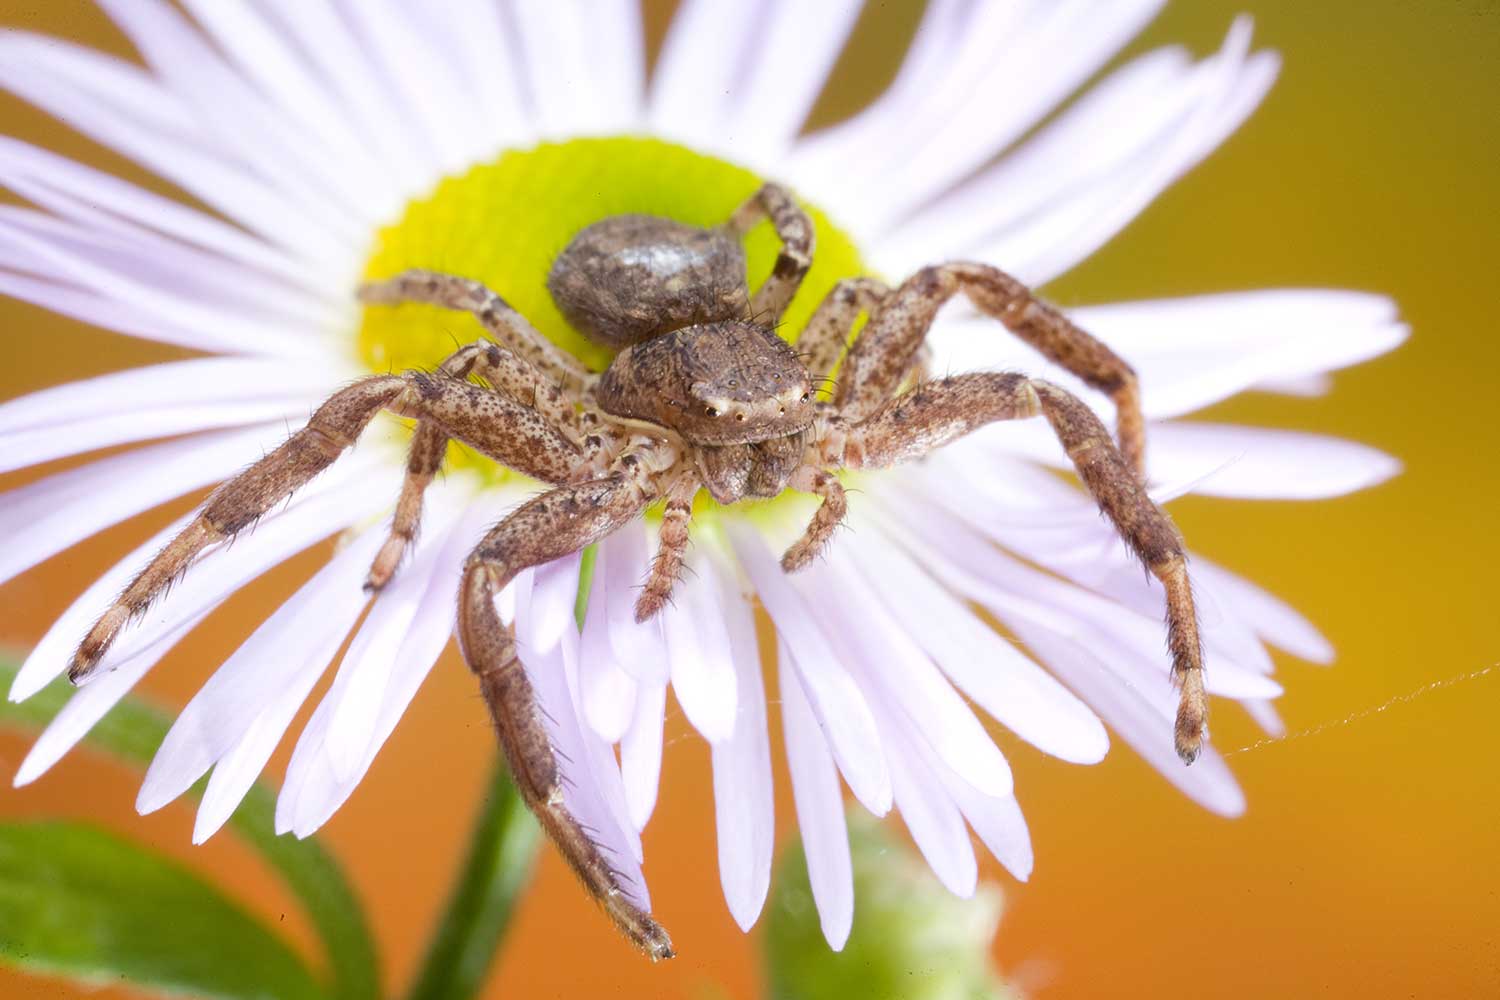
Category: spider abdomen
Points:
column 629, row 278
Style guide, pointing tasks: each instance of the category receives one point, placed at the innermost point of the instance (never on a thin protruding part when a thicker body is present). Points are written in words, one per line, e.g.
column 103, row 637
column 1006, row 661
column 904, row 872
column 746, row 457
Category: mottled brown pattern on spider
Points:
column 702, row 394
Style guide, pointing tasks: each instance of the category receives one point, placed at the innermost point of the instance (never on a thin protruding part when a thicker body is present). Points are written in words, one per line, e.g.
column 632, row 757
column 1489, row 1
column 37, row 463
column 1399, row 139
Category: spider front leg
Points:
column 795, row 230
column 889, row 346
column 548, row 527
column 932, row 415
column 511, row 434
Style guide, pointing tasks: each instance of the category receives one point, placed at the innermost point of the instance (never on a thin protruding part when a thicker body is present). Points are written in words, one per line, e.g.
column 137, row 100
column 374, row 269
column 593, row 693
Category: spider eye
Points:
column 740, row 417
column 806, row 396
column 776, row 376
column 711, row 412
column 733, row 383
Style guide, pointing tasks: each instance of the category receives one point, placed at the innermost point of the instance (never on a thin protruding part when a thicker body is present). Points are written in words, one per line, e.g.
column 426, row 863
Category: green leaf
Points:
column 132, row 731
column 82, row 902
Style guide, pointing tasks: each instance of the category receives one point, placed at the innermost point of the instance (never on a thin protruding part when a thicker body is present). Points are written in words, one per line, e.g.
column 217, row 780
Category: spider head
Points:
column 715, row 384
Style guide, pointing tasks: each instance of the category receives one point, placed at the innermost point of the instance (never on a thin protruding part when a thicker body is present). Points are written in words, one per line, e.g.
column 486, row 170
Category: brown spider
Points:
column 701, row 394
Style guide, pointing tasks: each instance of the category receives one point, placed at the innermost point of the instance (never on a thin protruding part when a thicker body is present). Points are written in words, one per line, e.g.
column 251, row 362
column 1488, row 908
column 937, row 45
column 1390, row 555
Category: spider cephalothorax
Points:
column 701, row 394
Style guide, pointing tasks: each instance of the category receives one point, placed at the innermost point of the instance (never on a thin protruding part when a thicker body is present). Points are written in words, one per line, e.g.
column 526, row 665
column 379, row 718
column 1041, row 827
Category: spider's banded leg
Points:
column 509, row 327
column 458, row 409
column 932, row 415
column 822, row 341
column 884, row 353
column 511, row 376
column 795, row 230
column 548, row 527
column 670, row 548
column 829, row 516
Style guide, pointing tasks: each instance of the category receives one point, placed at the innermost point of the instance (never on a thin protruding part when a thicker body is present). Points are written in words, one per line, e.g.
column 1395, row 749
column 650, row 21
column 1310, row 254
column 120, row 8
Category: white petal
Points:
column 1259, row 463
column 1266, row 717
column 936, row 825
column 1123, row 693
column 640, row 752
column 703, row 678
column 592, row 787
column 1141, row 721
column 1106, row 126
column 1192, row 352
column 1073, row 541
column 1273, row 619
column 607, row 691
column 1006, row 66
column 177, row 383
column 1000, row 679
column 599, row 758
column 43, row 518
column 371, row 659
column 422, row 77
column 19, row 449
column 554, row 598
column 796, row 48
column 483, row 50
column 236, row 120
column 49, row 657
column 261, row 53
column 697, row 68
column 820, row 810
column 890, row 659
column 744, row 807
column 314, row 516
column 237, row 768
column 1053, row 241
column 101, row 311
column 80, row 192
column 994, row 579
column 90, row 704
column 83, row 241
column 362, row 91
column 317, row 790
column 138, row 285
column 835, row 697
column 997, row 822
column 124, row 109
column 568, row 96
column 640, row 648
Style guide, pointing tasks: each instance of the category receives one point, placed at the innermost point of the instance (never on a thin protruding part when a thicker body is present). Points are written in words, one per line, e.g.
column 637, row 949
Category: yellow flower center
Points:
column 503, row 223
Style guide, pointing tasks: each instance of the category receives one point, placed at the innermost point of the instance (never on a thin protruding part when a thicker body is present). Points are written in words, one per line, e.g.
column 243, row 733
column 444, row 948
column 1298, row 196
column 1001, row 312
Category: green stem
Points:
column 502, row 850
column 133, row 730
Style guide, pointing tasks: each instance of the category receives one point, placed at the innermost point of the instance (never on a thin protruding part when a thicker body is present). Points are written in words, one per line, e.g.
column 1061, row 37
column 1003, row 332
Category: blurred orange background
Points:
column 1366, row 864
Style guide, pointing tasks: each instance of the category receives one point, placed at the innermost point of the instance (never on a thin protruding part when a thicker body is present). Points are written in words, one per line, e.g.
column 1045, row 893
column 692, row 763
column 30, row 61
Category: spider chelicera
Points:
column 702, row 394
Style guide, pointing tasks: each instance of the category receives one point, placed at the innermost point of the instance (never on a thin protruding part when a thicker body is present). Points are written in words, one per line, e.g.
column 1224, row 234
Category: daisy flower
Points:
column 328, row 141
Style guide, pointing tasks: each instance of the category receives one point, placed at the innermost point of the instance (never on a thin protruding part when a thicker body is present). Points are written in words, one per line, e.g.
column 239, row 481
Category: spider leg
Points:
column 884, row 353
column 495, row 425
column 671, row 547
column 827, row 519
column 795, row 230
column 511, row 376
column 508, row 327
column 823, row 340
column 932, row 415
column 548, row 527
